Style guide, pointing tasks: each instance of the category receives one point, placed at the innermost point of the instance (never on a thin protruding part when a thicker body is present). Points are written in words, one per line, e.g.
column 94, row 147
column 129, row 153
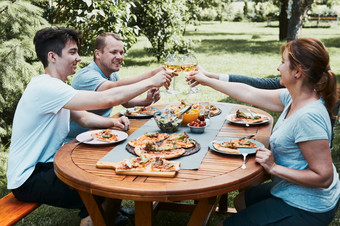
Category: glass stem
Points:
column 173, row 84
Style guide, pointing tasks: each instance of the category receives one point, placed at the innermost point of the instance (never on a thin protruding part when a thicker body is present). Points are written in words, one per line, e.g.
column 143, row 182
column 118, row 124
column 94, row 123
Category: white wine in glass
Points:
column 172, row 64
column 189, row 64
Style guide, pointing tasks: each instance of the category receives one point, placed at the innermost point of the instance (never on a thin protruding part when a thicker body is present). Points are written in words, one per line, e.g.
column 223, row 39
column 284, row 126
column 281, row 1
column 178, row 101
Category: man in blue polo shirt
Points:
column 101, row 75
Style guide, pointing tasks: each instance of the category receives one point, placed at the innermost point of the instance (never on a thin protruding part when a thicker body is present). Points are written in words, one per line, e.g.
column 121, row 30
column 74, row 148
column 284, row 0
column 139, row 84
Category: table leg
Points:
column 143, row 213
column 202, row 211
column 101, row 214
column 94, row 208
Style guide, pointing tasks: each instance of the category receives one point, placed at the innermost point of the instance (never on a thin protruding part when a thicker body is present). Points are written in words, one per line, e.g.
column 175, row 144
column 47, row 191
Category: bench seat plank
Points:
column 13, row 210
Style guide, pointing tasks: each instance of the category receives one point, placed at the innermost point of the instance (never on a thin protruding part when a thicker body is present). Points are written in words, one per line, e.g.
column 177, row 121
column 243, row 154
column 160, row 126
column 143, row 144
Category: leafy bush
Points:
column 260, row 11
column 209, row 14
column 95, row 17
column 19, row 21
column 163, row 23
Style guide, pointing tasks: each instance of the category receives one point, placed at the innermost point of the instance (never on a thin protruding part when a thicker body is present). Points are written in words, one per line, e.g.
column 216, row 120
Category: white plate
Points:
column 87, row 135
column 243, row 122
column 122, row 112
column 242, row 150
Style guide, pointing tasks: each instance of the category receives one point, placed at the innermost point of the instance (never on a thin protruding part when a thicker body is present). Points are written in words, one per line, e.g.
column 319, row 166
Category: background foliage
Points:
column 93, row 17
column 19, row 21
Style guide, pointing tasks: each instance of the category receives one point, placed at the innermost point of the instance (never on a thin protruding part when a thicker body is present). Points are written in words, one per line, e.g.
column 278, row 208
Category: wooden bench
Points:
column 13, row 210
column 318, row 18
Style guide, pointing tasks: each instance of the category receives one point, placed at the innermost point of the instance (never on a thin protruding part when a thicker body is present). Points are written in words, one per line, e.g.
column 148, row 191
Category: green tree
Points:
column 19, row 20
column 93, row 17
column 163, row 23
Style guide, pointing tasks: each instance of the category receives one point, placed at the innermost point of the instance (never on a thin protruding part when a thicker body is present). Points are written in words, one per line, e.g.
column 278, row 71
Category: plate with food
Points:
column 163, row 145
column 143, row 166
column 140, row 112
column 235, row 146
column 102, row 136
column 213, row 110
column 247, row 119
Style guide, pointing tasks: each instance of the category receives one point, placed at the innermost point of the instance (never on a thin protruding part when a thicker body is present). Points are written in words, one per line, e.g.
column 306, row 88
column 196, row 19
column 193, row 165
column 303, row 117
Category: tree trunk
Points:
column 299, row 11
column 283, row 20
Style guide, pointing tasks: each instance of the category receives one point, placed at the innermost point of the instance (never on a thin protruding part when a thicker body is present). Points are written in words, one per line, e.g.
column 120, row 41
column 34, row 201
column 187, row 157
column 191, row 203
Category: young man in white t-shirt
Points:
column 41, row 120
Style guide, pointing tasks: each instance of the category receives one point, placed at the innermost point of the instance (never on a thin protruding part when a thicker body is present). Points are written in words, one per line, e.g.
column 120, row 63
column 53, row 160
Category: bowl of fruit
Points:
column 197, row 126
column 190, row 116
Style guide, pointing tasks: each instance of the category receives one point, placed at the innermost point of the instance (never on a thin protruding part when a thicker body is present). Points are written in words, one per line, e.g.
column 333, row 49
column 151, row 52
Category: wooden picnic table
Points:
column 217, row 175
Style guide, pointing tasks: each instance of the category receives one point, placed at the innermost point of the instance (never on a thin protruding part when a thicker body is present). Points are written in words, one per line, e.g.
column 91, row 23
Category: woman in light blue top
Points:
column 305, row 186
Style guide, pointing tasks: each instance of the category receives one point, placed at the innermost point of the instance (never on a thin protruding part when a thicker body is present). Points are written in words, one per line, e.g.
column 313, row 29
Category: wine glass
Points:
column 189, row 64
column 172, row 64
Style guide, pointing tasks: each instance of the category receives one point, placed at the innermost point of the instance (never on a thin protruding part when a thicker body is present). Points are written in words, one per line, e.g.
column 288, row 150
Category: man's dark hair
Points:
column 53, row 39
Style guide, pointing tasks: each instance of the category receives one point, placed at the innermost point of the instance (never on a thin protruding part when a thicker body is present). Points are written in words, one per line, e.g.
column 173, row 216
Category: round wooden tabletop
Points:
column 218, row 173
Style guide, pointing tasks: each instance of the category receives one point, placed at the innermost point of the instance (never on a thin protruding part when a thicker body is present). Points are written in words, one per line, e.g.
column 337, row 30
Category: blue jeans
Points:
column 265, row 209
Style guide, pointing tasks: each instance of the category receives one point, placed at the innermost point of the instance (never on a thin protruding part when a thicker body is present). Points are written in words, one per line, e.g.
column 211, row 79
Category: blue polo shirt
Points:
column 89, row 78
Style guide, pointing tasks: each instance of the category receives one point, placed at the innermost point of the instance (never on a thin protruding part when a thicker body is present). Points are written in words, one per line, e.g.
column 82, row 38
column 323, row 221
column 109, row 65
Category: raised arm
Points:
column 129, row 80
column 261, row 83
column 89, row 100
column 268, row 99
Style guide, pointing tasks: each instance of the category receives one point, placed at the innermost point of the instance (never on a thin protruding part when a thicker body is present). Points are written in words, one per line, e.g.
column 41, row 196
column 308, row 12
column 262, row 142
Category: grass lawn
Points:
column 239, row 48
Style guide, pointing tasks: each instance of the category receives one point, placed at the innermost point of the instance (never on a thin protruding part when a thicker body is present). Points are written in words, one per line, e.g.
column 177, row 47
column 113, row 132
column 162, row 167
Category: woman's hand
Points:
column 265, row 158
column 195, row 78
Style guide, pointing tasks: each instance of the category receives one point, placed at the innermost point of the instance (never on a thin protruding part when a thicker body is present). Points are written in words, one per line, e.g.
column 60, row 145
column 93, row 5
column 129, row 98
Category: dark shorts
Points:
column 265, row 209
column 43, row 186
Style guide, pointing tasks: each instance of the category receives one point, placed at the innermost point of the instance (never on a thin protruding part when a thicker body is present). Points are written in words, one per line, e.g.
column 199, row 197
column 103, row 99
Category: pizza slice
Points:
column 213, row 110
column 227, row 147
column 143, row 140
column 131, row 164
column 141, row 110
column 105, row 135
column 162, row 165
column 152, row 150
column 143, row 166
column 239, row 115
column 243, row 143
column 256, row 118
column 181, row 140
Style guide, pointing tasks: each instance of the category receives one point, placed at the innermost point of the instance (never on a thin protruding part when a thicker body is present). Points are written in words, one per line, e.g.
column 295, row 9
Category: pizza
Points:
column 144, row 166
column 153, row 150
column 180, row 140
column 241, row 116
column 137, row 111
column 232, row 145
column 214, row 110
column 226, row 146
column 163, row 145
column 242, row 143
column 176, row 107
column 105, row 135
column 142, row 140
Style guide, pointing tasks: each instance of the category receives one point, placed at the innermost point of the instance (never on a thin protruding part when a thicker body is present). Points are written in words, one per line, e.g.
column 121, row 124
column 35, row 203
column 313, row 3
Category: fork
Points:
column 153, row 98
column 86, row 140
column 244, row 160
column 251, row 113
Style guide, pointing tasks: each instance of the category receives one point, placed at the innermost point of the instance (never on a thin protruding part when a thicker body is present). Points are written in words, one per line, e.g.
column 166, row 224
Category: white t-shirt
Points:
column 39, row 127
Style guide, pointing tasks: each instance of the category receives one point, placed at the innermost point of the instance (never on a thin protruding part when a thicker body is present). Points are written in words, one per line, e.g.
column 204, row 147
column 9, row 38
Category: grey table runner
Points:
column 193, row 161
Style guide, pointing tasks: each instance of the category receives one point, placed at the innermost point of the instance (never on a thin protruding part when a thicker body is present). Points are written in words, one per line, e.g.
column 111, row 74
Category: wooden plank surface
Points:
column 84, row 175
